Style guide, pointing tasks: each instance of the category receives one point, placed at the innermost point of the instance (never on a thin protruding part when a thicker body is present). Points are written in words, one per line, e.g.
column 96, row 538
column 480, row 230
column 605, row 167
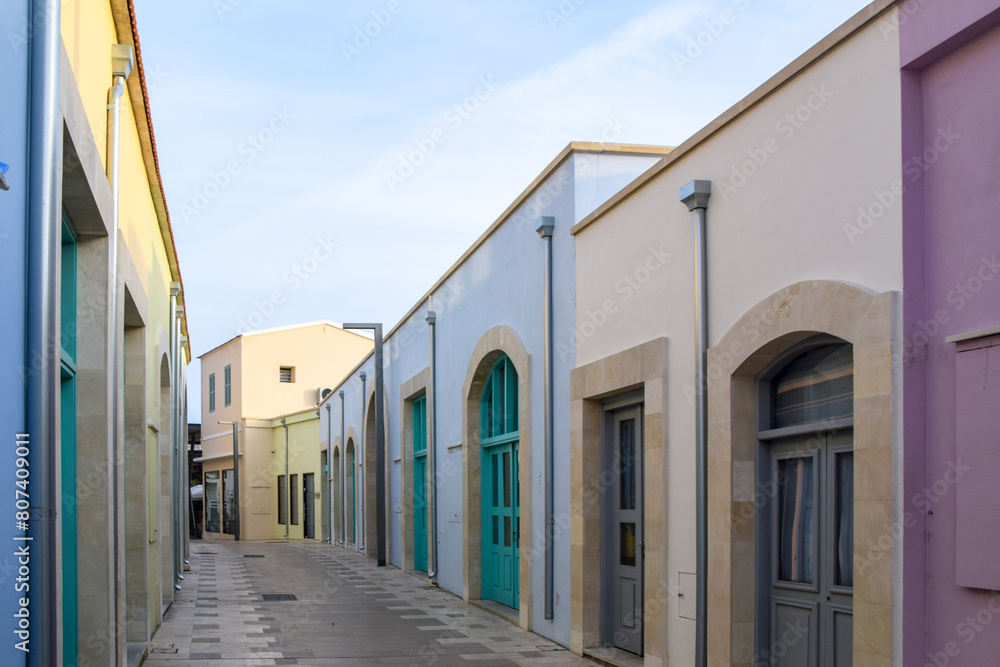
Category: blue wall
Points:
column 13, row 213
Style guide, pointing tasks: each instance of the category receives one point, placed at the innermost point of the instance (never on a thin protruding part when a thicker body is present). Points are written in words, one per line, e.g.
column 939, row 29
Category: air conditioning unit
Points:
column 322, row 393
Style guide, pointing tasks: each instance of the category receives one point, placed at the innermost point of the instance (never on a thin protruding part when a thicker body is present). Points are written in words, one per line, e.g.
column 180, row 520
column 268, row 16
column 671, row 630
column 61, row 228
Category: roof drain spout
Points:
column 432, row 445
column 695, row 196
column 545, row 226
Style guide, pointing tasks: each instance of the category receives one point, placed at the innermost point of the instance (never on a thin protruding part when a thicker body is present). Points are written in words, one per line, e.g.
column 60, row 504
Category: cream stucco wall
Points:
column 826, row 143
column 321, row 354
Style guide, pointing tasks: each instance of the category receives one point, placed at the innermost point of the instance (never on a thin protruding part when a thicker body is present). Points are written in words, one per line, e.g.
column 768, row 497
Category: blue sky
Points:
column 330, row 160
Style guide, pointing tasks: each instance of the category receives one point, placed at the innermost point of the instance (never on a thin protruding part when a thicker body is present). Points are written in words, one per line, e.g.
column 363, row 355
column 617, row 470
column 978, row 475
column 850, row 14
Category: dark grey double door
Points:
column 622, row 589
column 807, row 553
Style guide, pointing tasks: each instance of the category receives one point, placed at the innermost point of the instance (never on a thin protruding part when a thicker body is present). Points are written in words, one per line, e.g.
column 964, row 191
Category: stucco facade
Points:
column 488, row 308
column 272, row 373
column 949, row 58
column 118, row 368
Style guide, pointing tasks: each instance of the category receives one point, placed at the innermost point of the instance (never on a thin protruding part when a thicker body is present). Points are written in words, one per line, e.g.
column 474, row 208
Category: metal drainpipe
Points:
column 695, row 196
column 364, row 388
column 121, row 67
column 432, row 441
column 545, row 227
column 175, row 408
column 288, row 482
column 178, row 422
column 43, row 252
column 329, row 469
column 343, row 476
column 185, row 480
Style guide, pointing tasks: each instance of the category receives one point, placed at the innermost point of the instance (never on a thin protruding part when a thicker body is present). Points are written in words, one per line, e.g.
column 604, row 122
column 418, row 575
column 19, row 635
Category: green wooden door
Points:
column 420, row 484
column 500, row 496
column 67, row 407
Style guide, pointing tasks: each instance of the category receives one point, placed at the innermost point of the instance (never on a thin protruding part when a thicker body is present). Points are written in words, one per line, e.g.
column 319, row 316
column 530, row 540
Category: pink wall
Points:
column 951, row 115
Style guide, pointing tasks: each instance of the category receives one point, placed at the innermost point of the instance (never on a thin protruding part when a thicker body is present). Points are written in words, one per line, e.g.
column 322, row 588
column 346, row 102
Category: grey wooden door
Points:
column 624, row 540
column 810, row 552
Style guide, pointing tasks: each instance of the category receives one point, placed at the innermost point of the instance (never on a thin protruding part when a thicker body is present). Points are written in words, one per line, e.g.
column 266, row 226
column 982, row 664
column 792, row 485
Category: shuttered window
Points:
column 286, row 374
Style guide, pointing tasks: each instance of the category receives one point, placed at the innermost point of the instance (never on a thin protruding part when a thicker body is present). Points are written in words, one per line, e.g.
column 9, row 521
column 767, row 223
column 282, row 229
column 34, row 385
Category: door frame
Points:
column 611, row 406
column 813, row 437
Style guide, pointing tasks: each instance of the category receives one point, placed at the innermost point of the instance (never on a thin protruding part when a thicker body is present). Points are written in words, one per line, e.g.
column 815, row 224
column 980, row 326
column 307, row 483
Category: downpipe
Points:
column 343, row 476
column 695, row 196
column 288, row 482
column 545, row 227
column 329, row 470
column 177, row 445
column 42, row 317
column 432, row 442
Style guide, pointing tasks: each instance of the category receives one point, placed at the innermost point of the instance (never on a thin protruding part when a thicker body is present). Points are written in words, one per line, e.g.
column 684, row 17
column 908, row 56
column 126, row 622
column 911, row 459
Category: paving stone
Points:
column 347, row 612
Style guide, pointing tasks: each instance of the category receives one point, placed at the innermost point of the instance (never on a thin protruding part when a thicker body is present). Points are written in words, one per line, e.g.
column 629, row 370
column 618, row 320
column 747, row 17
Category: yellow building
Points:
column 265, row 381
column 120, row 405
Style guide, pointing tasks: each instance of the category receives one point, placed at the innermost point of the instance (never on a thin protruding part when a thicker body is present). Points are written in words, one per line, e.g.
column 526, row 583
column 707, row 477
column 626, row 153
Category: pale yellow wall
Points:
column 785, row 225
column 321, row 355
column 303, row 457
column 88, row 33
column 215, row 362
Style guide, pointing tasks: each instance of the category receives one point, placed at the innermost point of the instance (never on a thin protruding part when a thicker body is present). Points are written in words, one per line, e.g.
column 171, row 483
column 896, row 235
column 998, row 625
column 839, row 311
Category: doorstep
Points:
column 614, row 657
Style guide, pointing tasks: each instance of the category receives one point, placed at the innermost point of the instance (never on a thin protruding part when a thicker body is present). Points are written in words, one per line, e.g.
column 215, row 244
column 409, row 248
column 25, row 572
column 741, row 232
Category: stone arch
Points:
column 496, row 342
column 764, row 333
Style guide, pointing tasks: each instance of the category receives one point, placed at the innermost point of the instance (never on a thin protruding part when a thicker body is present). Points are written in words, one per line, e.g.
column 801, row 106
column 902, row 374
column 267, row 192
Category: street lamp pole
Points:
column 236, row 478
column 379, row 440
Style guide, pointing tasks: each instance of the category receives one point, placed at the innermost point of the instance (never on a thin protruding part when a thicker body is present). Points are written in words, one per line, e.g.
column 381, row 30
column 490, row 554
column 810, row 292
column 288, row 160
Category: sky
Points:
column 331, row 160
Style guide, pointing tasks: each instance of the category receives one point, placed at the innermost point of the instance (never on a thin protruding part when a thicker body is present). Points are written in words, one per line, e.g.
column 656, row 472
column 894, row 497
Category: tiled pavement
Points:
column 347, row 612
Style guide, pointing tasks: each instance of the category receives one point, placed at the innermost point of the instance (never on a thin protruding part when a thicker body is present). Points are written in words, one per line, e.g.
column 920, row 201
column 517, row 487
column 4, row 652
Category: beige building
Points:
column 265, row 381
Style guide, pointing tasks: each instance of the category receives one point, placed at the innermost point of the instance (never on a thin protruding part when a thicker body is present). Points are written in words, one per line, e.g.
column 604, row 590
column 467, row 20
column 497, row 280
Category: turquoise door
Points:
column 67, row 407
column 500, row 497
column 420, row 484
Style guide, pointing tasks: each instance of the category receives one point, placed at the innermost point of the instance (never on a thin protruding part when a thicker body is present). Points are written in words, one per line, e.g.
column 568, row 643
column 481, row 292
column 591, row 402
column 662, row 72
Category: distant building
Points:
column 258, row 380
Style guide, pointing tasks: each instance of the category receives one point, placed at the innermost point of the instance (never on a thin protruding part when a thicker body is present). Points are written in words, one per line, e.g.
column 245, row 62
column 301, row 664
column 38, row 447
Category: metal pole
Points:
column 379, row 440
column 364, row 451
column 545, row 227
column 43, row 230
column 432, row 441
column 695, row 196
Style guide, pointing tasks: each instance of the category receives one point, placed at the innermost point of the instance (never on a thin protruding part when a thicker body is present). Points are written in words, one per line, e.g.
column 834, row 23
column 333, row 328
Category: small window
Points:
column 229, row 385
column 287, row 374
column 281, row 499
column 211, row 392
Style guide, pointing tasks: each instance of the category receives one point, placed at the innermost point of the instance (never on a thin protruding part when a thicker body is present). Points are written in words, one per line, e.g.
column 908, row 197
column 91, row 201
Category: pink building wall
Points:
column 950, row 58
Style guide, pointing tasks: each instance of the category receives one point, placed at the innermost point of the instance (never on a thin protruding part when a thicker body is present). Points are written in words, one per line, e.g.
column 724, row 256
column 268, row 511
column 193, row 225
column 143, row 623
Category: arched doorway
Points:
column 500, row 498
column 805, row 529
column 350, row 493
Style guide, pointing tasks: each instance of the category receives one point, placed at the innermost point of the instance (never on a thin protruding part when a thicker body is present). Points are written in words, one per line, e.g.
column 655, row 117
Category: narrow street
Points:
column 345, row 611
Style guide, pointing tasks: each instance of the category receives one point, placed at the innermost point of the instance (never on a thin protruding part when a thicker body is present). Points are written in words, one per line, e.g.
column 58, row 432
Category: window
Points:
column 229, row 385
column 211, row 392
column 228, row 502
column 281, row 499
column 499, row 402
column 212, row 523
column 286, row 374
column 295, row 499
